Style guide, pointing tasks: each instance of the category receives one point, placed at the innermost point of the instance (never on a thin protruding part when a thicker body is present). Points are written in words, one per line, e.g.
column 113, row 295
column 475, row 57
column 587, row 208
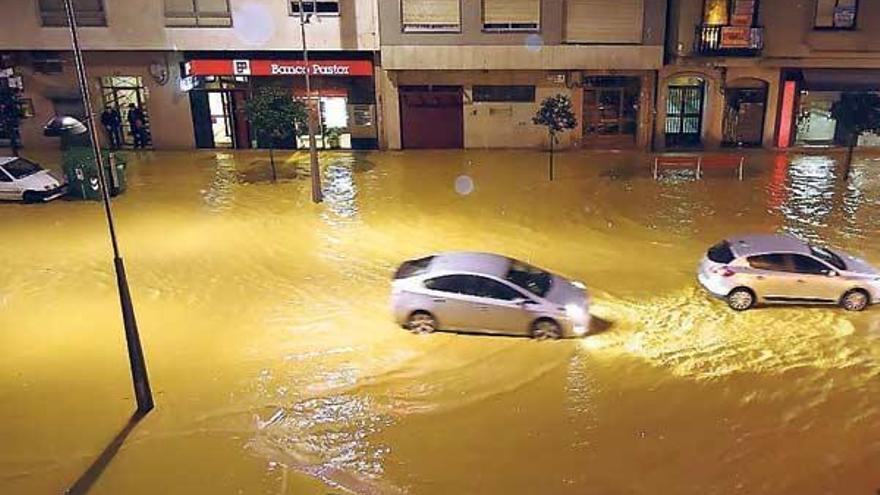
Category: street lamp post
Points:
column 142, row 391
column 317, row 193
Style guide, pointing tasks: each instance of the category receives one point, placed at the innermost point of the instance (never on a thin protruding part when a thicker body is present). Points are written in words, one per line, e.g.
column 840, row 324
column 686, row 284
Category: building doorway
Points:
column 611, row 111
column 431, row 117
column 121, row 91
column 684, row 112
column 744, row 110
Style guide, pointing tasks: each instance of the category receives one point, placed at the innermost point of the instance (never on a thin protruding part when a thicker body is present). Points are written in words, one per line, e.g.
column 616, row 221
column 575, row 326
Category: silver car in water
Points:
column 755, row 269
column 487, row 293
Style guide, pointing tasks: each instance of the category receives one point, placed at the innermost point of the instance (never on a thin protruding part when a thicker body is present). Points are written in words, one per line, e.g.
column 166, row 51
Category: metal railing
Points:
column 730, row 41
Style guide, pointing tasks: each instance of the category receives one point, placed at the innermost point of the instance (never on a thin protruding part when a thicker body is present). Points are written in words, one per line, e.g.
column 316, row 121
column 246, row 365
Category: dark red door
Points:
column 431, row 117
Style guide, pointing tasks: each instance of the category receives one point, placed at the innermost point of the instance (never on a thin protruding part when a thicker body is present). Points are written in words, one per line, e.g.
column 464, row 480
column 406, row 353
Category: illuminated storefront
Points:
column 344, row 89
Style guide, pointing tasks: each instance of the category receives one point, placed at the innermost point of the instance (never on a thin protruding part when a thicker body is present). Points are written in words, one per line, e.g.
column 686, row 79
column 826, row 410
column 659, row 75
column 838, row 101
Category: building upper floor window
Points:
column 511, row 15
column 197, row 13
column 321, row 7
column 836, row 14
column 88, row 12
column 507, row 94
column 430, row 16
column 730, row 12
column 604, row 21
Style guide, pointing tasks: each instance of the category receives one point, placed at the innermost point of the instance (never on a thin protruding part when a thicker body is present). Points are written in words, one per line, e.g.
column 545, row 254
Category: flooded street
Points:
column 276, row 367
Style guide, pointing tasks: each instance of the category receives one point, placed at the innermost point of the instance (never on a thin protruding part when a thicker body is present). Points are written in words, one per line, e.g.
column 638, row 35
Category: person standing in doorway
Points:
column 112, row 122
column 138, row 122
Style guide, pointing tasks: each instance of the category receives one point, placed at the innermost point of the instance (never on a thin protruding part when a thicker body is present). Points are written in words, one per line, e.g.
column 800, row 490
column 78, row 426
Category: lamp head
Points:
column 64, row 124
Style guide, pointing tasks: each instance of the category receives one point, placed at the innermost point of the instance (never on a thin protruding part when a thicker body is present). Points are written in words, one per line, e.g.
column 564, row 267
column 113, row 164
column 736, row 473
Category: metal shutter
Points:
column 511, row 12
column 430, row 14
column 604, row 21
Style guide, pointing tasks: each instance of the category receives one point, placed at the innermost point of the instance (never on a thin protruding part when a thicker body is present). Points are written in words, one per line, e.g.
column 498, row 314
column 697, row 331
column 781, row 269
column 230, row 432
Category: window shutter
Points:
column 427, row 13
column 511, row 12
column 604, row 21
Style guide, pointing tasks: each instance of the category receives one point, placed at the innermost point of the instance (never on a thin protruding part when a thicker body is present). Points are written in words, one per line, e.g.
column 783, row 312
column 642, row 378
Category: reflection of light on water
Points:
column 811, row 195
column 340, row 191
column 218, row 195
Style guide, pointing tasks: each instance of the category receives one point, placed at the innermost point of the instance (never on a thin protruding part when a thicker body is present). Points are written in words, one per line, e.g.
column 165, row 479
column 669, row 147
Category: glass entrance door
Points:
column 611, row 109
column 684, row 115
column 221, row 118
column 121, row 91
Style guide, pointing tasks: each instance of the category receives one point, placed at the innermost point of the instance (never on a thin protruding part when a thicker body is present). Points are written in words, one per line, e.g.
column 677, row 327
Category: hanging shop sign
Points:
column 740, row 37
column 243, row 67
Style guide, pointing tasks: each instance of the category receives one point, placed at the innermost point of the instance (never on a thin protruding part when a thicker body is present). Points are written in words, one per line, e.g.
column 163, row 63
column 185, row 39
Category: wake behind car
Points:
column 24, row 180
column 487, row 293
column 783, row 269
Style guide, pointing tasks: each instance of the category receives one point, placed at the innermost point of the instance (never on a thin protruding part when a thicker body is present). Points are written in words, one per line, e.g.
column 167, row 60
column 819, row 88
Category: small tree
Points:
column 856, row 113
column 556, row 115
column 276, row 117
column 10, row 115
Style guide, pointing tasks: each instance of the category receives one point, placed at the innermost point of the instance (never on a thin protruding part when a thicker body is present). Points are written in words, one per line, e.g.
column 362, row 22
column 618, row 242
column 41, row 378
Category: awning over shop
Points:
column 245, row 67
column 841, row 79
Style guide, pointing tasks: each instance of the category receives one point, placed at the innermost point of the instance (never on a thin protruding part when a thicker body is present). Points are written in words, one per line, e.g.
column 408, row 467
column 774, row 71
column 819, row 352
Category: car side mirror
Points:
column 523, row 302
column 831, row 273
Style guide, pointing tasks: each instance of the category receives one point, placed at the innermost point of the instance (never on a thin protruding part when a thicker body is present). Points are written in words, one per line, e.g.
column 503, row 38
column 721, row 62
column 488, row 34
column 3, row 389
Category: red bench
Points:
column 700, row 163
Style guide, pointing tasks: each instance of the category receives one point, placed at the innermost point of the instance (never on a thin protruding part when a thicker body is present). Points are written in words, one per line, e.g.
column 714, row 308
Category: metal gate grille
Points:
column 684, row 115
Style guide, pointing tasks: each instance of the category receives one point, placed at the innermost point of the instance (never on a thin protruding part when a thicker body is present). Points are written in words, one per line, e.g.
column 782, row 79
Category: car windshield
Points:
column 528, row 277
column 828, row 256
column 21, row 168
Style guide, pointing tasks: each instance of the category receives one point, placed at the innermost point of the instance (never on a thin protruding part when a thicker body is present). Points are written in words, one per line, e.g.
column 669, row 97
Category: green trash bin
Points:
column 79, row 167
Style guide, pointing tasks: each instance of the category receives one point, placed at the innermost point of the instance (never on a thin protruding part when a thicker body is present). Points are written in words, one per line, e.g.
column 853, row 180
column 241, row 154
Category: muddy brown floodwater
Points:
column 276, row 367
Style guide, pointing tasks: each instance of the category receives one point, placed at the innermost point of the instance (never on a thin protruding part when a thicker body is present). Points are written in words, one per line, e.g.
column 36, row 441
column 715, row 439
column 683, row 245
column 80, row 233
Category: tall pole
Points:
column 142, row 391
column 317, row 193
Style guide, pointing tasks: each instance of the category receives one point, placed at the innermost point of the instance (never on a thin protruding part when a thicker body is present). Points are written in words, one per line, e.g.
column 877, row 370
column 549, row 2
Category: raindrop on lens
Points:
column 464, row 185
column 253, row 24
column 534, row 42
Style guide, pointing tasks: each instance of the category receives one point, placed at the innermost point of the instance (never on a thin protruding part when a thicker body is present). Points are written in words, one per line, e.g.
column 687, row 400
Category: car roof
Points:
column 471, row 262
column 6, row 159
column 752, row 245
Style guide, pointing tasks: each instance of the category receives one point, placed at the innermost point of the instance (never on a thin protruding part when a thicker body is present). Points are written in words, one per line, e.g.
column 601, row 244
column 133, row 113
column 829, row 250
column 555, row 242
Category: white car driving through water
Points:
column 487, row 293
column 782, row 269
column 24, row 180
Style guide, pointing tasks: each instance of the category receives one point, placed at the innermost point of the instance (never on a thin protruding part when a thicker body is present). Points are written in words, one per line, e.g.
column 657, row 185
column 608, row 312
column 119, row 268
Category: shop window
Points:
column 88, row 13
column 836, row 14
column 197, row 13
column 325, row 7
column 508, row 94
column 47, row 62
column 431, row 16
column 730, row 12
column 511, row 15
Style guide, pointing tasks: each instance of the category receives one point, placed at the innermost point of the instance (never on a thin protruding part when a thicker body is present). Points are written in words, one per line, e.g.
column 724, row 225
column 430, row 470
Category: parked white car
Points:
column 487, row 293
column 781, row 269
column 24, row 180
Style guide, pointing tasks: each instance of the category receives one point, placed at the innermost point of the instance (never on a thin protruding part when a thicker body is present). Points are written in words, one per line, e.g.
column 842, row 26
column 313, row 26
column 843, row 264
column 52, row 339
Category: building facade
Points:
column 765, row 73
column 190, row 64
column 472, row 73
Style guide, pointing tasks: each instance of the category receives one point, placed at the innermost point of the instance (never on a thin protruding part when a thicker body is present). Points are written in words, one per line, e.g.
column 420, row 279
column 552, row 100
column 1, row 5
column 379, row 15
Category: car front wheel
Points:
column 741, row 299
column 855, row 300
column 546, row 329
column 421, row 322
column 30, row 197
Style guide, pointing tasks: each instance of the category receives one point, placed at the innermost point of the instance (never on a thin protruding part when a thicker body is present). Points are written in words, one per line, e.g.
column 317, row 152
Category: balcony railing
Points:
column 729, row 41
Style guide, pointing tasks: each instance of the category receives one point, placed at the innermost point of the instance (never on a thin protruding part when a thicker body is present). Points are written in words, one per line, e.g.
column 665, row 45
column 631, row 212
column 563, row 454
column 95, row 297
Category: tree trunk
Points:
column 847, row 167
column 272, row 162
column 552, row 139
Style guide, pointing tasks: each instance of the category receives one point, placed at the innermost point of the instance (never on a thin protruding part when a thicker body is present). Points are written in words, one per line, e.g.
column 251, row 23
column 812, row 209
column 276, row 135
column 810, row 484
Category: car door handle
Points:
column 760, row 277
column 482, row 307
column 438, row 299
column 801, row 281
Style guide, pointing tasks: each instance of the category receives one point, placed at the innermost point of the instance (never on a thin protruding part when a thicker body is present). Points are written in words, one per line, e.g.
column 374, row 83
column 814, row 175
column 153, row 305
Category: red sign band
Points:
column 243, row 67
